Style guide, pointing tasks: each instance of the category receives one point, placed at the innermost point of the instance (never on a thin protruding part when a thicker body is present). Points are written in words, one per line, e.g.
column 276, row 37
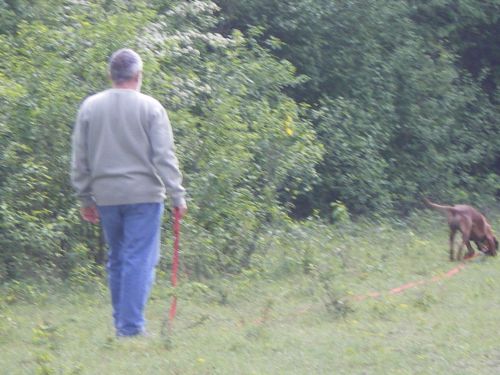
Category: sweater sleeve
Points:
column 80, row 170
column 164, row 158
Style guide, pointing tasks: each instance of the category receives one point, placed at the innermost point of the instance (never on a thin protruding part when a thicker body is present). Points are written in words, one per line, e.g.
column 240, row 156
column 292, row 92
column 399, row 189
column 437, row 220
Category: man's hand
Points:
column 182, row 211
column 90, row 214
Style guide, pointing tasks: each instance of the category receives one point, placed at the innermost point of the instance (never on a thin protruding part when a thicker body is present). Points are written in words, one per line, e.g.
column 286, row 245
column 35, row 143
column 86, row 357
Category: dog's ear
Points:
column 496, row 242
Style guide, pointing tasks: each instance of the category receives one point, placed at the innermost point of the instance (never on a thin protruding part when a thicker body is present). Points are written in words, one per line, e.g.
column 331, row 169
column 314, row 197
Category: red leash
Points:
column 414, row 284
column 175, row 265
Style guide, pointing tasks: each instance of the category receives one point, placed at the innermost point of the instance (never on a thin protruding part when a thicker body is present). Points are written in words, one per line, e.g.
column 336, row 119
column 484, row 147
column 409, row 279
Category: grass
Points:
column 293, row 313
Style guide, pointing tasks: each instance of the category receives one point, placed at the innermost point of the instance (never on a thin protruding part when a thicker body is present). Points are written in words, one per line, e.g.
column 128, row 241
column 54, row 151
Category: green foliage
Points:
column 468, row 28
column 287, row 321
column 244, row 147
column 393, row 106
column 396, row 107
column 354, row 153
column 340, row 214
column 242, row 142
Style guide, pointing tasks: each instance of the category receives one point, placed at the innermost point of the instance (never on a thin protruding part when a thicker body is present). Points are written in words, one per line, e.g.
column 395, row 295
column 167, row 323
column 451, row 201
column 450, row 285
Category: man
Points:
column 123, row 164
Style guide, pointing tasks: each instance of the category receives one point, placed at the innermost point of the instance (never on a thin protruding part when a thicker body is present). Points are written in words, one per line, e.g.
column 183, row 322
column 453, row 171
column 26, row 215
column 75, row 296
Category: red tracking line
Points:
column 393, row 291
column 414, row 284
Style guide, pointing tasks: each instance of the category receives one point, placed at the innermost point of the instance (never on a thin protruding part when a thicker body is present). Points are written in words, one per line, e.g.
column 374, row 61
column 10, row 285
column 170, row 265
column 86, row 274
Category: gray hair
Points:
column 124, row 65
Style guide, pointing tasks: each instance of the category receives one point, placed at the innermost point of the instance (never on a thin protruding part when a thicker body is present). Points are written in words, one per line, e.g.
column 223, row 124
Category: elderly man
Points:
column 123, row 165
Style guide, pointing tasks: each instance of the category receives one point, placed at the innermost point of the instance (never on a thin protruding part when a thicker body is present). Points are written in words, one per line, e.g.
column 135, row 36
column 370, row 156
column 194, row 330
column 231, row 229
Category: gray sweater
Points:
column 123, row 151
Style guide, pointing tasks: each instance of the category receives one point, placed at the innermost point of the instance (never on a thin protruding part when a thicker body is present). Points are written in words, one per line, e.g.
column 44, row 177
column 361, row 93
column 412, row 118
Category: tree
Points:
column 409, row 104
column 241, row 140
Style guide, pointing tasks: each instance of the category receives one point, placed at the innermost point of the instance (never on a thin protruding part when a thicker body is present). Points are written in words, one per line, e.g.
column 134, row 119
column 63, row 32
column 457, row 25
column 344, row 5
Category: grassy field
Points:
column 297, row 311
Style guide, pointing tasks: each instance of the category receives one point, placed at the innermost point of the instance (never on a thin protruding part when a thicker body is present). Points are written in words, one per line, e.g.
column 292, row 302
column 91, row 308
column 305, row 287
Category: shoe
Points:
column 137, row 334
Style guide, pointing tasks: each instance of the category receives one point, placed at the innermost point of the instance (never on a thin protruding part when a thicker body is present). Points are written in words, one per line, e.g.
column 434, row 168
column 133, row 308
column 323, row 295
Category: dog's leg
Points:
column 460, row 253
column 479, row 246
column 465, row 229
column 465, row 243
column 494, row 246
column 470, row 252
column 452, row 241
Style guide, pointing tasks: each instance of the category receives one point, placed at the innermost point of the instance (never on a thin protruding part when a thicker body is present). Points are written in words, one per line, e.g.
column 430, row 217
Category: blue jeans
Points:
column 132, row 232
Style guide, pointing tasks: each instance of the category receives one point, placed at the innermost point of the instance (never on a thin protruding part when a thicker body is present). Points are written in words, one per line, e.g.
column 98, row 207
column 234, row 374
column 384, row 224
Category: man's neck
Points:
column 131, row 85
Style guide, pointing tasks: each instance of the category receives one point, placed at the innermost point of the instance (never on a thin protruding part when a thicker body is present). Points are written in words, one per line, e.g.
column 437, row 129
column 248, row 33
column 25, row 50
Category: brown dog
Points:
column 473, row 226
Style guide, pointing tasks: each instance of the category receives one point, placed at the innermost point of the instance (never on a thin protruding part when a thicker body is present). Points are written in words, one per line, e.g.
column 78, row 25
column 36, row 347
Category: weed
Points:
column 47, row 334
column 44, row 363
column 256, row 323
column 339, row 213
column 266, row 311
column 383, row 309
column 257, row 332
column 425, row 301
column 19, row 291
column 333, row 297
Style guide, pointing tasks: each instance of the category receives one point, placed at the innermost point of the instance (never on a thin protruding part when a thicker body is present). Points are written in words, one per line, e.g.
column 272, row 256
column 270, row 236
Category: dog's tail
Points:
column 439, row 207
